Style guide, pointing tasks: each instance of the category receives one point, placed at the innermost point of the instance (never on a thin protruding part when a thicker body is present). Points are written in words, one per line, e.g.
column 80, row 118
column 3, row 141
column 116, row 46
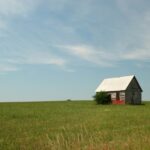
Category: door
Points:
column 117, row 96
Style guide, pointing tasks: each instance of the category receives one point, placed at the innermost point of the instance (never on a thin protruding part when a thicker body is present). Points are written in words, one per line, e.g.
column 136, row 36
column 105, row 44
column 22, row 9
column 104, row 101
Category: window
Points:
column 122, row 95
column 113, row 96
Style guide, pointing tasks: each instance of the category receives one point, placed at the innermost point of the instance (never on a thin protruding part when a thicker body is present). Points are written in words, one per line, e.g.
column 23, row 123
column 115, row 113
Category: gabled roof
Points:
column 115, row 84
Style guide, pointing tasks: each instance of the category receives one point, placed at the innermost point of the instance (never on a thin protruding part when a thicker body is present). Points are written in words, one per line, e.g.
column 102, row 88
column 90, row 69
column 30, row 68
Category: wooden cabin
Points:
column 123, row 90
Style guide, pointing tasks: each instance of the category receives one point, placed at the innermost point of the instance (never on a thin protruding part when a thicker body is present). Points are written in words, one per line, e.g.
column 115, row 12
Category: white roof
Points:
column 115, row 84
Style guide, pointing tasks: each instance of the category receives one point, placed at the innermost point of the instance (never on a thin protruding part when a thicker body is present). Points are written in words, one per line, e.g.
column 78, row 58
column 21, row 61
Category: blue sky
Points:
column 60, row 49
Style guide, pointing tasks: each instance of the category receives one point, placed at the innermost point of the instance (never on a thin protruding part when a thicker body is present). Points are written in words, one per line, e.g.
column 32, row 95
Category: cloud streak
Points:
column 139, row 54
column 17, row 7
column 90, row 54
column 104, row 57
column 2, row 24
column 13, row 62
column 40, row 57
column 7, row 68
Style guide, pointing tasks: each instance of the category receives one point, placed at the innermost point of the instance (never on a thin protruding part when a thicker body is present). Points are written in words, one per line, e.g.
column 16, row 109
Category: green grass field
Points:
column 74, row 126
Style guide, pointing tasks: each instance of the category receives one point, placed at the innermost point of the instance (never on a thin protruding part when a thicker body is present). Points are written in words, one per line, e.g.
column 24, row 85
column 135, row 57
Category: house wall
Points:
column 117, row 97
column 113, row 95
column 133, row 93
column 122, row 95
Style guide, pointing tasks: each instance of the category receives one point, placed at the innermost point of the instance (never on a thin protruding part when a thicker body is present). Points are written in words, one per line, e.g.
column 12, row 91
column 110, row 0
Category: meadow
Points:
column 74, row 125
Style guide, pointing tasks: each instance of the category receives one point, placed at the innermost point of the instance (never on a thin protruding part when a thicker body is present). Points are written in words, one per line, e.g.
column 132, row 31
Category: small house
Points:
column 123, row 90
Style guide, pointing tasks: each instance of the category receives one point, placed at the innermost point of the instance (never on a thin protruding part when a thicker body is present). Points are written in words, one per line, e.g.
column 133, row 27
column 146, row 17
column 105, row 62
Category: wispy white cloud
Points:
column 7, row 68
column 17, row 7
column 40, row 57
column 139, row 54
column 104, row 57
column 135, row 43
column 3, row 24
column 88, row 53
column 11, row 9
column 14, row 62
column 131, row 8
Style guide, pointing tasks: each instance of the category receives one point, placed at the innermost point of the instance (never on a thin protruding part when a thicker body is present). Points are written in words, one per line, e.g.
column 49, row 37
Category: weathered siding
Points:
column 122, row 95
column 113, row 95
column 117, row 97
column 133, row 93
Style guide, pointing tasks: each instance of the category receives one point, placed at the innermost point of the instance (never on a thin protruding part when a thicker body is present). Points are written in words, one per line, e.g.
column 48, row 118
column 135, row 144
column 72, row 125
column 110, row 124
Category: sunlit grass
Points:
column 74, row 126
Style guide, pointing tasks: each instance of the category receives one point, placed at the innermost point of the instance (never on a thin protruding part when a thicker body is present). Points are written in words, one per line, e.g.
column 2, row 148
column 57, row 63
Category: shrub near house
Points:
column 102, row 98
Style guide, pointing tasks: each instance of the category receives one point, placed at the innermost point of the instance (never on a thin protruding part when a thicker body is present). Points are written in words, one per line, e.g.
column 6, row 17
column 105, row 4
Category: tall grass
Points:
column 74, row 126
